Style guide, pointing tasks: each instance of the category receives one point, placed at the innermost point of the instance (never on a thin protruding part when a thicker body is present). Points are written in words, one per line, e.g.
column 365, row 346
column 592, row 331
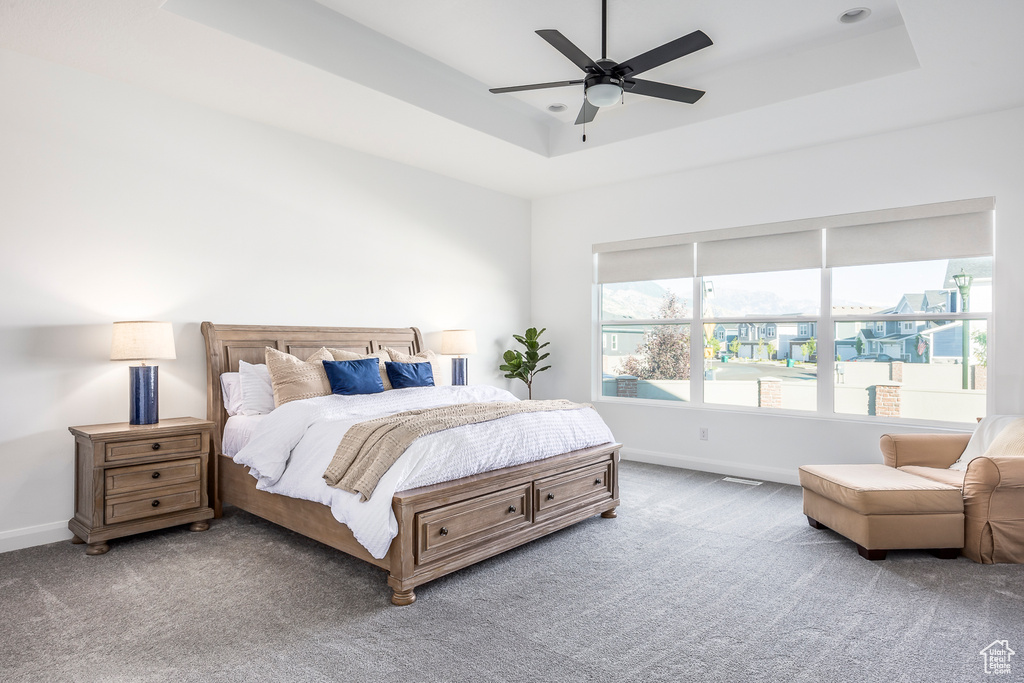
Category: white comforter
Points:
column 292, row 446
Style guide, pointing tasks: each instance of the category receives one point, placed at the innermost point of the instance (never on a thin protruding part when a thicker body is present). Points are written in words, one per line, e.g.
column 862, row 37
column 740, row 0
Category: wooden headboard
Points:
column 228, row 344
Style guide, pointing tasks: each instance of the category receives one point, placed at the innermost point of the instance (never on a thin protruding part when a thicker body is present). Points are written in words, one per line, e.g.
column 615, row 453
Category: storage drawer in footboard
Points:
column 445, row 530
column 554, row 495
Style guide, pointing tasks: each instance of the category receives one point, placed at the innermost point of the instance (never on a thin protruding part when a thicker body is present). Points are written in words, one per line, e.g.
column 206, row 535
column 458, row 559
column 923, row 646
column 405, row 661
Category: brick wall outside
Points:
column 625, row 386
column 979, row 377
column 884, row 400
column 769, row 392
column 896, row 371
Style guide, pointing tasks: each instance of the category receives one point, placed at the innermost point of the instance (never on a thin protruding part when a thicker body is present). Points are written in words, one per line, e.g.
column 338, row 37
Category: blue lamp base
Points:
column 144, row 395
column 458, row 371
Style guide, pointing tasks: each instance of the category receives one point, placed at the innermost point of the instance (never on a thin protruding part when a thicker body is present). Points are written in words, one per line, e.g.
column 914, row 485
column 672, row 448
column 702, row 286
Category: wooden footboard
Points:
column 445, row 527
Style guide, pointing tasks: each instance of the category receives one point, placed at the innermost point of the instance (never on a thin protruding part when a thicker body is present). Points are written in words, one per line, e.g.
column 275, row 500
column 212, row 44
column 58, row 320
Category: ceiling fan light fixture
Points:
column 604, row 94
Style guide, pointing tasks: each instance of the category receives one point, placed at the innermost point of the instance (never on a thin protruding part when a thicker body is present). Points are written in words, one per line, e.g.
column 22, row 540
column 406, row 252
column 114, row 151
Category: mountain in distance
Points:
column 642, row 300
column 631, row 300
column 742, row 302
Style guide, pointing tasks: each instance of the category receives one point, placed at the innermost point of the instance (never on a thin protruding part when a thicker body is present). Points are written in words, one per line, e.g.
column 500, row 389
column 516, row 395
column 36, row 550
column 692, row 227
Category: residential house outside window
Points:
column 872, row 300
column 913, row 362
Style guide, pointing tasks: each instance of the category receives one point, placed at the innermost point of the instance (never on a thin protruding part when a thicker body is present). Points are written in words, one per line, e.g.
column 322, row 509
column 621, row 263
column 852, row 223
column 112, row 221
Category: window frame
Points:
column 822, row 327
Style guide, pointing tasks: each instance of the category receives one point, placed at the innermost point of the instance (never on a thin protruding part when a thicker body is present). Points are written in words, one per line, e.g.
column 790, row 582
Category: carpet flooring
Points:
column 698, row 579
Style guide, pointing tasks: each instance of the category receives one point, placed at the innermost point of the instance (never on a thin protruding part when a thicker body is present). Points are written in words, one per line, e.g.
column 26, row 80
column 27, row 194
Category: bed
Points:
column 441, row 527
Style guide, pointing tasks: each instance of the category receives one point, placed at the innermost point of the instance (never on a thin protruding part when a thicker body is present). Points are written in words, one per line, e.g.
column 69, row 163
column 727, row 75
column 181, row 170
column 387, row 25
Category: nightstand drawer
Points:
column 140, row 448
column 151, row 476
column 152, row 502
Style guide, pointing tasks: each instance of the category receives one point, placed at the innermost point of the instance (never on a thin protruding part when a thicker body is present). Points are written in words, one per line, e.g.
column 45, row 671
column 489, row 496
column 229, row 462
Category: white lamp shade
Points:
column 458, row 342
column 604, row 94
column 142, row 340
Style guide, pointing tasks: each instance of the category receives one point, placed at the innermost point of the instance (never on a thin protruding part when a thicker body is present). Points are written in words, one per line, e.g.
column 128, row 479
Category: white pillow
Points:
column 985, row 433
column 257, row 391
column 231, row 391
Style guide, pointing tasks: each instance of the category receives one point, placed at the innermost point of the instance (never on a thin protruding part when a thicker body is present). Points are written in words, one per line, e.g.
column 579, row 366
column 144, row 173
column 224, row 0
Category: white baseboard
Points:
column 716, row 466
column 16, row 539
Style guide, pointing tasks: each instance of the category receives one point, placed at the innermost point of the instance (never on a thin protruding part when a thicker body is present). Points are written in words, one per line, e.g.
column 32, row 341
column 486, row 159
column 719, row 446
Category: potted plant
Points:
column 523, row 366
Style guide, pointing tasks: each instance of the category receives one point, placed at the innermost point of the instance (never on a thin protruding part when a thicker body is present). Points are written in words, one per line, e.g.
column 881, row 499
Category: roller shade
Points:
column 965, row 235
column 655, row 263
column 787, row 251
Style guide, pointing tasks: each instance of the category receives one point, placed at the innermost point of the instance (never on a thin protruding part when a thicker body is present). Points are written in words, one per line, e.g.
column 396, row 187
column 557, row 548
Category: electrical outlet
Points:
column 703, row 433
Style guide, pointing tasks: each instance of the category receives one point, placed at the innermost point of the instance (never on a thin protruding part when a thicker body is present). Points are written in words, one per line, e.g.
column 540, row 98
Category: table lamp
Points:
column 458, row 343
column 142, row 341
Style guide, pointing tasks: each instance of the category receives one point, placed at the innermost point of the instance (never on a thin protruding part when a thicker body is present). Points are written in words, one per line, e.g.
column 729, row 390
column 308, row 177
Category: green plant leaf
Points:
column 546, row 367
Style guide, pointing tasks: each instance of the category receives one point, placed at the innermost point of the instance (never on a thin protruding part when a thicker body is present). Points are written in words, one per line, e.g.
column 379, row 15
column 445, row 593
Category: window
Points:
column 647, row 324
column 902, row 339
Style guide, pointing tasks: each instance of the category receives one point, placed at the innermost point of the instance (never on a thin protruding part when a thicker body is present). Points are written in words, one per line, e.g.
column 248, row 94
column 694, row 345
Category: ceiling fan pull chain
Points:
column 584, row 120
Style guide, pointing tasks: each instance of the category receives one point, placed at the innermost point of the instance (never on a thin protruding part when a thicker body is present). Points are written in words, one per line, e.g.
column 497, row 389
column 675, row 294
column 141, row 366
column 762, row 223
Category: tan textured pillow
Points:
column 1010, row 441
column 295, row 379
column 381, row 356
column 427, row 356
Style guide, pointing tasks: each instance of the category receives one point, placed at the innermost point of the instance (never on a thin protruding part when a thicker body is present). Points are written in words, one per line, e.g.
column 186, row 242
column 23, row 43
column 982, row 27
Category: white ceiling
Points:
column 407, row 79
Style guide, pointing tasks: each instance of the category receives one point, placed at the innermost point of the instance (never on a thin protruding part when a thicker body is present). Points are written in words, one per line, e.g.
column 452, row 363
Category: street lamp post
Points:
column 963, row 283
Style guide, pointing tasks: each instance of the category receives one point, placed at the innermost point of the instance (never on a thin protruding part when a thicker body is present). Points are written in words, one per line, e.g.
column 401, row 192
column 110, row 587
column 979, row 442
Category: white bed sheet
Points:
column 237, row 432
column 291, row 447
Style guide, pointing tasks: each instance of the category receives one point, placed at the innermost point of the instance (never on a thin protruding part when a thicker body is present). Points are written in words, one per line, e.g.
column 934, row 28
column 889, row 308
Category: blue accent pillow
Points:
column 405, row 375
column 350, row 377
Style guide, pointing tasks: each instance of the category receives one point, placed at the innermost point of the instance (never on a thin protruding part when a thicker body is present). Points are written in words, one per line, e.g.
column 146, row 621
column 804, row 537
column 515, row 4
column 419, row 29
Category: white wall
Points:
column 116, row 204
column 973, row 157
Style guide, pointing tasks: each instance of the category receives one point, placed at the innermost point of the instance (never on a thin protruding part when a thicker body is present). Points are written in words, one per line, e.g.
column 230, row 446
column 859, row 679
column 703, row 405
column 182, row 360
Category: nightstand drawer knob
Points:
column 156, row 447
column 551, row 496
column 444, row 531
column 511, row 508
column 156, row 475
column 597, row 481
column 156, row 503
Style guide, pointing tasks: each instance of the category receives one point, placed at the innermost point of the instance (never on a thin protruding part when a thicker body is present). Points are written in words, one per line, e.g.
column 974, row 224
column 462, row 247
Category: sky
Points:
column 875, row 285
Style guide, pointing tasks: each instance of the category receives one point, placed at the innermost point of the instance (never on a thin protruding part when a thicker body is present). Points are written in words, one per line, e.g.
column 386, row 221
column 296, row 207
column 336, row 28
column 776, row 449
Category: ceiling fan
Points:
column 606, row 80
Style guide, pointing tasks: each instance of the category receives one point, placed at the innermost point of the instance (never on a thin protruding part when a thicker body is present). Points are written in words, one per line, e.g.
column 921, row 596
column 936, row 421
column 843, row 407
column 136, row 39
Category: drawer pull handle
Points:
column 156, row 475
column 551, row 496
column 597, row 481
column 444, row 531
column 156, row 503
column 511, row 508
column 156, row 447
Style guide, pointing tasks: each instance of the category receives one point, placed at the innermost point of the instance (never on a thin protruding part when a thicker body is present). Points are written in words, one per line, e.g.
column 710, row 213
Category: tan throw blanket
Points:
column 370, row 448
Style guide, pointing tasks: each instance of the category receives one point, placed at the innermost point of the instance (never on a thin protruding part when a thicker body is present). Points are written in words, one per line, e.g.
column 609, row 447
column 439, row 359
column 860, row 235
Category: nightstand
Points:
column 135, row 478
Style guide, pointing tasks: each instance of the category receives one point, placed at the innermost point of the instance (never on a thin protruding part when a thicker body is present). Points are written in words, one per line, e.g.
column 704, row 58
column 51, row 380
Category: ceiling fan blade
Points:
column 536, row 86
column 587, row 113
column 680, row 47
column 565, row 46
column 662, row 90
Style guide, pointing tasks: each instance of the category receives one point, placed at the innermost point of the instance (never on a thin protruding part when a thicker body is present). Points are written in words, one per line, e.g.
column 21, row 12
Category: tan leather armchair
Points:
column 992, row 486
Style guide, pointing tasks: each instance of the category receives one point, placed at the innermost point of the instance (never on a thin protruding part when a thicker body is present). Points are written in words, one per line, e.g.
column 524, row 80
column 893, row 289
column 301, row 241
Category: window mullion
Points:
column 826, row 347
column 697, row 344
